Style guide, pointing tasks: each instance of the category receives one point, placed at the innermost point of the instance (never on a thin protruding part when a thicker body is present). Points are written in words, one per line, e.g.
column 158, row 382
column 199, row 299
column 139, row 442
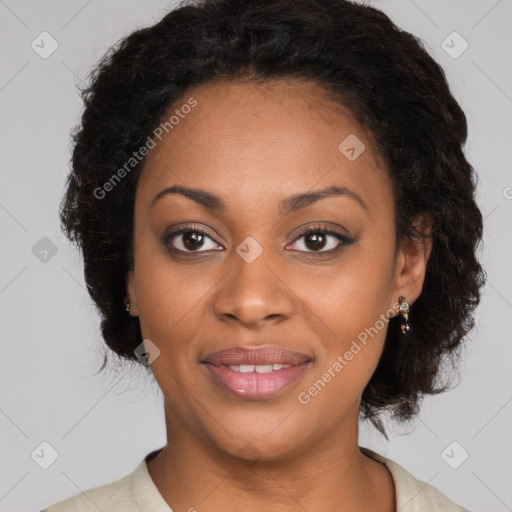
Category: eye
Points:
column 191, row 239
column 320, row 239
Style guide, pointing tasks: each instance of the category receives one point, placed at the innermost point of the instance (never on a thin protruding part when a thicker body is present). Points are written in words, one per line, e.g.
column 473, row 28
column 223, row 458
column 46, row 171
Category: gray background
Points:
column 101, row 426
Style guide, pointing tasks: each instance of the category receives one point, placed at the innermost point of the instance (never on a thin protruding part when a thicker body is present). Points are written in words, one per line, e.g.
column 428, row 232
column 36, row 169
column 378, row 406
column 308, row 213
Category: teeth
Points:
column 263, row 368
column 258, row 368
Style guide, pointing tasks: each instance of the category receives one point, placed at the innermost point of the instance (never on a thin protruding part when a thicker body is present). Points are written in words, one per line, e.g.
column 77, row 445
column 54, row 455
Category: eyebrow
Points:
column 288, row 205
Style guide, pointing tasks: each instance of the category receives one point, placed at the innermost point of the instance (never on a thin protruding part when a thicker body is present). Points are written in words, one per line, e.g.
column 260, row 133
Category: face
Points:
column 230, row 269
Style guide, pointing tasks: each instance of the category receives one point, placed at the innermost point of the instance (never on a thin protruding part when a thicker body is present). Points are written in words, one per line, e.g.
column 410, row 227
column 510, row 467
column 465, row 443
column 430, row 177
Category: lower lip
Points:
column 255, row 386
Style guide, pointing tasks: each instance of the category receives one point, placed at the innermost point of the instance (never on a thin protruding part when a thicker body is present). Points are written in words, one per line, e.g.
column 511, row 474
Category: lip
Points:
column 253, row 385
column 269, row 354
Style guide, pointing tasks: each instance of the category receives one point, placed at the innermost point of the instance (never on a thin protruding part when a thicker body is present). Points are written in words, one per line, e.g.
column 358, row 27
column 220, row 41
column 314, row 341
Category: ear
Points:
column 411, row 261
column 131, row 293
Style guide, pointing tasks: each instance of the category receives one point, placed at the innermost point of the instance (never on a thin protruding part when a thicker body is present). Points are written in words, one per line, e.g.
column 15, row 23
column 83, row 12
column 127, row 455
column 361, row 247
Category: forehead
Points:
column 262, row 140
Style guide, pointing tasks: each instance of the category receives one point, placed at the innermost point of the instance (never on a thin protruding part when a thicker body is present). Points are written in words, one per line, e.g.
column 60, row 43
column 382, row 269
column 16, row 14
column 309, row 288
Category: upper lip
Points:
column 261, row 355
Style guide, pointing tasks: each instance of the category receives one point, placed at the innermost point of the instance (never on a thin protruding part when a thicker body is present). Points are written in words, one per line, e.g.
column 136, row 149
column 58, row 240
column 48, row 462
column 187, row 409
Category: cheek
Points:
column 350, row 313
column 351, row 349
column 171, row 305
column 351, row 296
column 170, row 295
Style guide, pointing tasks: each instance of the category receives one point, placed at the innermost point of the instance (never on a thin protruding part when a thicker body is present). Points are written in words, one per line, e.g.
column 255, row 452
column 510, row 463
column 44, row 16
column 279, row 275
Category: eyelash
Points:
column 317, row 229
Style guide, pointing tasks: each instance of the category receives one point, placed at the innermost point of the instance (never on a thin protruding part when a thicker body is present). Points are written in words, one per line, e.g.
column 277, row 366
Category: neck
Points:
column 330, row 475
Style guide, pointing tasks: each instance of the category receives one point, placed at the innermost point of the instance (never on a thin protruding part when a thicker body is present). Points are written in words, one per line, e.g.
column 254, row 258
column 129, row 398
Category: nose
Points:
column 253, row 293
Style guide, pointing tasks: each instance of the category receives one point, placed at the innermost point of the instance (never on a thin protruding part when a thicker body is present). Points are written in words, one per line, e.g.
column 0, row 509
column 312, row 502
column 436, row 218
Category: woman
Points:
column 276, row 215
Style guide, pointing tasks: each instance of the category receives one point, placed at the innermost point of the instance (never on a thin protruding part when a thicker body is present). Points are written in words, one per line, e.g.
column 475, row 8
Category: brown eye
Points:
column 315, row 241
column 320, row 240
column 191, row 240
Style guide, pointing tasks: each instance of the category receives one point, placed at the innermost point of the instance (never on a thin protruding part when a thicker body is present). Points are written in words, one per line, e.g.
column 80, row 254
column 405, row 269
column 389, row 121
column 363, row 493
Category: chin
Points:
column 265, row 439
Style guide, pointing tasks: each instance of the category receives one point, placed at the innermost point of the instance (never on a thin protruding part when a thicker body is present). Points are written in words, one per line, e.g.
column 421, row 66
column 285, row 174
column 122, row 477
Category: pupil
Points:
column 196, row 239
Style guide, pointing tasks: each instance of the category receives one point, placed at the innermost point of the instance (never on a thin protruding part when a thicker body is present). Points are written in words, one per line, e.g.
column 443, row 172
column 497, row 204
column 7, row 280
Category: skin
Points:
column 254, row 145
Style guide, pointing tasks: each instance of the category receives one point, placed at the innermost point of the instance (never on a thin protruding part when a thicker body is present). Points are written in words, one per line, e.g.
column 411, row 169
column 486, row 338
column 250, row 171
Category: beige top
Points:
column 136, row 492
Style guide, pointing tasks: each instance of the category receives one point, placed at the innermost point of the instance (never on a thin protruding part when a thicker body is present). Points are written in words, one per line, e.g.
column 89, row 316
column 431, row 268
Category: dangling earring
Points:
column 404, row 313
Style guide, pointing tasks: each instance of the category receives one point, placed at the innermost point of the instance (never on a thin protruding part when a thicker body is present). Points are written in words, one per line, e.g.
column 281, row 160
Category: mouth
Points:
column 256, row 373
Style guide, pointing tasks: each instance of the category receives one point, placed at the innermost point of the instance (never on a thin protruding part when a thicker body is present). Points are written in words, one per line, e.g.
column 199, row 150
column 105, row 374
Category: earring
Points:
column 404, row 313
column 128, row 308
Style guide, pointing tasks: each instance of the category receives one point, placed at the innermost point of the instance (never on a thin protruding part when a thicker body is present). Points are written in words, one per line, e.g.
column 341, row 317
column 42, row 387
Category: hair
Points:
column 363, row 61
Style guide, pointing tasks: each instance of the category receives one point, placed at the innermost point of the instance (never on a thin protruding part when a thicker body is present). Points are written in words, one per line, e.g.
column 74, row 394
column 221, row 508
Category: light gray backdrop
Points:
column 98, row 428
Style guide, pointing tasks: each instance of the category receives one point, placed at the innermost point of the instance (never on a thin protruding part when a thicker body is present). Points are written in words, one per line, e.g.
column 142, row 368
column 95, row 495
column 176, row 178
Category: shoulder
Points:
column 413, row 495
column 135, row 492
column 113, row 497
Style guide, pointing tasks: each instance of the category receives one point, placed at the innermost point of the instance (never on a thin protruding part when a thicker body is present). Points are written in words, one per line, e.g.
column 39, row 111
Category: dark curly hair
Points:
column 362, row 61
